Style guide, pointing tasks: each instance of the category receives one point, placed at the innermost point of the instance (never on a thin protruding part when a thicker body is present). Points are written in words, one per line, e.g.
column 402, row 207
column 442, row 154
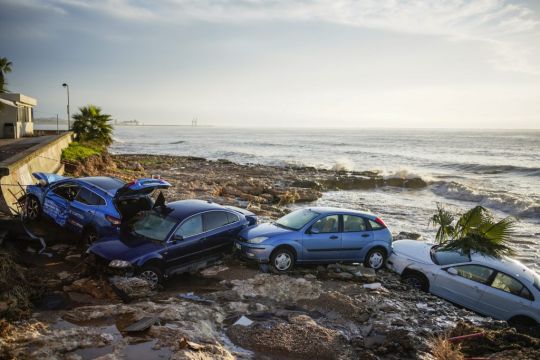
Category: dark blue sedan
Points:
column 173, row 238
column 91, row 206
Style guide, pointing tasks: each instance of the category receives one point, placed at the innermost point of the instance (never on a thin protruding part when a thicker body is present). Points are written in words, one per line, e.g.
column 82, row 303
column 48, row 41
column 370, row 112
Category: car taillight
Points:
column 380, row 222
column 113, row 220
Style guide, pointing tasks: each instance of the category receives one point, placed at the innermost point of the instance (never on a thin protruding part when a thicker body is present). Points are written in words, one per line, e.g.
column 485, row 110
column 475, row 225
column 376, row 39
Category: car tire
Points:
column 33, row 208
column 282, row 260
column 375, row 258
column 416, row 281
column 89, row 236
column 151, row 274
column 522, row 321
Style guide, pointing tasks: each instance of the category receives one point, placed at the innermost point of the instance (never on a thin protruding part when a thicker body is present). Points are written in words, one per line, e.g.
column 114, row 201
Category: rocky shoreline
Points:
column 231, row 309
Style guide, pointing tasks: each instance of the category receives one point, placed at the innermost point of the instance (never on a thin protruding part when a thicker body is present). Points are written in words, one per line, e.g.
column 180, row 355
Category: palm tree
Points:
column 5, row 67
column 91, row 125
column 474, row 231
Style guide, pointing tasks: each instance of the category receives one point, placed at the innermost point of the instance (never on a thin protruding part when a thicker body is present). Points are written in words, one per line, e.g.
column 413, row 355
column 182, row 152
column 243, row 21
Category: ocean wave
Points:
column 494, row 169
column 498, row 200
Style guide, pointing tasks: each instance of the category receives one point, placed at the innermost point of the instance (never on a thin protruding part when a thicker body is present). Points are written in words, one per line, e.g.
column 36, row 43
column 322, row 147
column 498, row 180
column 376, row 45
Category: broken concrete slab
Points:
column 142, row 324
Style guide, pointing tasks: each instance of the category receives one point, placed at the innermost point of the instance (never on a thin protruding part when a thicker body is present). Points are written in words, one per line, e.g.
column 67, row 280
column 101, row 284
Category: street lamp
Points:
column 69, row 117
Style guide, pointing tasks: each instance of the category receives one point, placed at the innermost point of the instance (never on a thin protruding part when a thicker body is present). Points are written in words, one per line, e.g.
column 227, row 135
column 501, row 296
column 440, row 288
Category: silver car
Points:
column 501, row 288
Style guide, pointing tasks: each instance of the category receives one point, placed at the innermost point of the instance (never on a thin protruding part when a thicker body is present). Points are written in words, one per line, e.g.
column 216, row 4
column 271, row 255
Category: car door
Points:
column 462, row 284
column 322, row 240
column 506, row 297
column 355, row 237
column 57, row 202
column 83, row 209
column 184, row 246
column 219, row 232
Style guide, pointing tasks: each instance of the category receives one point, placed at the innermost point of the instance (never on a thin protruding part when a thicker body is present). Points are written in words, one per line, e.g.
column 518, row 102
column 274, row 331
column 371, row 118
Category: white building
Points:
column 16, row 115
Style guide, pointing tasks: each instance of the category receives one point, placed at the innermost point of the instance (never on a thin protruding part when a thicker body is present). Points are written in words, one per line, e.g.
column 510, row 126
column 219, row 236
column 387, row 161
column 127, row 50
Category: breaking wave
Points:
column 494, row 169
column 499, row 200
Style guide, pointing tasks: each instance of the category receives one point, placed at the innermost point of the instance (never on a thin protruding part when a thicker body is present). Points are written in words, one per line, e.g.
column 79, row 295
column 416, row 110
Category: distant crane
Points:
column 194, row 121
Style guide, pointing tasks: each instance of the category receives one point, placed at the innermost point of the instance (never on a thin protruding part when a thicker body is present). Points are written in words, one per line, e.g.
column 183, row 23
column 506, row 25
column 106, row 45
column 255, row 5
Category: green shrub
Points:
column 77, row 151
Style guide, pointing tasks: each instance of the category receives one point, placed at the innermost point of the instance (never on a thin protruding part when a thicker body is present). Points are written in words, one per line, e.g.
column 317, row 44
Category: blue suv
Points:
column 318, row 235
column 91, row 206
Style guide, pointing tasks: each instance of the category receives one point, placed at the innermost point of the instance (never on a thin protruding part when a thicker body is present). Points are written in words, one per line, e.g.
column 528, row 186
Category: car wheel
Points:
column 416, row 281
column 522, row 321
column 375, row 258
column 89, row 236
column 151, row 274
column 282, row 260
column 33, row 208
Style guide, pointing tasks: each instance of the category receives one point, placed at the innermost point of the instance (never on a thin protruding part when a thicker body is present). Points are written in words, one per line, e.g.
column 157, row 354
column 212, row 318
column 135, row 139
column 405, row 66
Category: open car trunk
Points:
column 135, row 197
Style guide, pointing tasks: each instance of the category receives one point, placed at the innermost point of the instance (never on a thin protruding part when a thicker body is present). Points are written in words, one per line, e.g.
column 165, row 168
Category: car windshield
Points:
column 440, row 256
column 297, row 219
column 153, row 226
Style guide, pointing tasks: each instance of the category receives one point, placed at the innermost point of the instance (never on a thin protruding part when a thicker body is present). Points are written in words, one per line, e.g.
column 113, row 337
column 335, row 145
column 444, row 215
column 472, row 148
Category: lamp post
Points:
column 69, row 116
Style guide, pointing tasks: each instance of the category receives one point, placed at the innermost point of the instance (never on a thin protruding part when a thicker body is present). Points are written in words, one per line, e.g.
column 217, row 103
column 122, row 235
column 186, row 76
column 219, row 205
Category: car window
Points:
column 232, row 218
column 297, row 219
column 353, row 223
column 509, row 284
column 153, row 226
column 448, row 257
column 375, row 225
column 476, row 273
column 68, row 192
column 88, row 197
column 215, row 219
column 191, row 226
column 328, row 224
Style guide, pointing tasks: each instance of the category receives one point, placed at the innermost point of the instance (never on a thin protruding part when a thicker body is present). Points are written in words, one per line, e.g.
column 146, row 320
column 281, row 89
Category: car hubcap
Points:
column 283, row 261
column 150, row 276
column 376, row 260
column 32, row 209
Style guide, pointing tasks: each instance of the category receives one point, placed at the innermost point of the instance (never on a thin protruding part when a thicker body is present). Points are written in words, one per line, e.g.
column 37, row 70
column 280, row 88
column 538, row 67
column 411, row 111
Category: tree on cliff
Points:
column 5, row 67
column 474, row 231
column 91, row 125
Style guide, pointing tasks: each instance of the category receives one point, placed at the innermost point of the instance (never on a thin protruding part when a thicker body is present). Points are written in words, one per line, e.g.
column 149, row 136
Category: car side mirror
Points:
column 42, row 183
column 314, row 231
column 177, row 238
column 452, row 271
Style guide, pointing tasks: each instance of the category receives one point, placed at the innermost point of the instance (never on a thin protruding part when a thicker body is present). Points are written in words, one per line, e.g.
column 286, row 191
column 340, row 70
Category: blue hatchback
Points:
column 91, row 206
column 318, row 235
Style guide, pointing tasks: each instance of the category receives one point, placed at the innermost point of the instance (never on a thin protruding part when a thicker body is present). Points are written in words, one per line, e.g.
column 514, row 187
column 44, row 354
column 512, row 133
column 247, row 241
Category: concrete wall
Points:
column 44, row 157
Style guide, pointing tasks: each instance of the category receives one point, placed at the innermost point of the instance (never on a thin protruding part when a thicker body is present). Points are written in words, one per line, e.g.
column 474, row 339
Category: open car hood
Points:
column 49, row 178
column 141, row 187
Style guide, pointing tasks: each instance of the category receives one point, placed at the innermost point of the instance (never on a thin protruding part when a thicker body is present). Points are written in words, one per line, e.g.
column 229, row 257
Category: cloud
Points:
column 492, row 22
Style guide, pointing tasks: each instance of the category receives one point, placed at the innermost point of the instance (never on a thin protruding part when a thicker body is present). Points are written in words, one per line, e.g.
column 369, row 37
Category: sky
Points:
column 325, row 63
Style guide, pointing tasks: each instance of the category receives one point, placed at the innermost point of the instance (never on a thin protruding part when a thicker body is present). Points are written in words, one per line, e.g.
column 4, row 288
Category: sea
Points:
column 498, row 169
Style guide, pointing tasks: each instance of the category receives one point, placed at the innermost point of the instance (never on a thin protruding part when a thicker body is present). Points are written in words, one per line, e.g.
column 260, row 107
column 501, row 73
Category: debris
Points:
column 142, row 324
column 243, row 321
column 374, row 340
column 466, row 337
column 196, row 298
column 214, row 270
column 373, row 286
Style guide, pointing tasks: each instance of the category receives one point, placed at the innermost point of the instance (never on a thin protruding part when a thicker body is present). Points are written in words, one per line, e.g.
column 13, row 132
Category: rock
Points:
column 300, row 337
column 407, row 235
column 132, row 287
column 341, row 276
column 366, row 274
column 238, row 307
column 243, row 321
column 98, row 289
column 374, row 340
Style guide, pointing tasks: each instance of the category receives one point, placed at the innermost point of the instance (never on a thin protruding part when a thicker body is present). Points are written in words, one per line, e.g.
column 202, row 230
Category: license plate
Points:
column 238, row 246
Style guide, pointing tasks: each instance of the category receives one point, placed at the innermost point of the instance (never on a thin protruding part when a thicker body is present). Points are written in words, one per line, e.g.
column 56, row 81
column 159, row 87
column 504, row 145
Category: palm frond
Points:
column 444, row 219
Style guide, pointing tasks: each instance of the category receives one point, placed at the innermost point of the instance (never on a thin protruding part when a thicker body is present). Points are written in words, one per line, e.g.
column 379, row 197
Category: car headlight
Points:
column 119, row 264
column 257, row 240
